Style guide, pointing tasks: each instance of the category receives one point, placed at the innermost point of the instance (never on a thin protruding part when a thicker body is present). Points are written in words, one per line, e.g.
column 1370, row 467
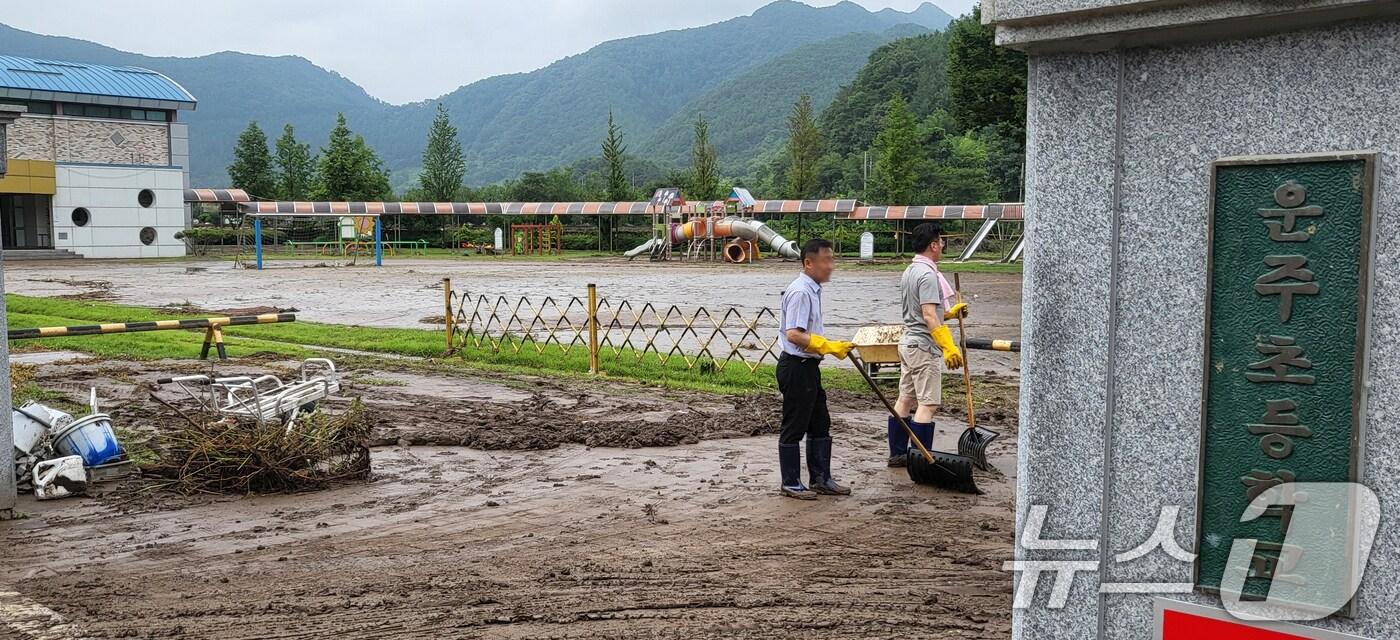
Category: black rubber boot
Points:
column 790, row 466
column 819, row 468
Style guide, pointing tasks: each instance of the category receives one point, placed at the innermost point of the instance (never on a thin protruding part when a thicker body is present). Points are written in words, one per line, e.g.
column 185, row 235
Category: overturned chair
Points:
column 266, row 398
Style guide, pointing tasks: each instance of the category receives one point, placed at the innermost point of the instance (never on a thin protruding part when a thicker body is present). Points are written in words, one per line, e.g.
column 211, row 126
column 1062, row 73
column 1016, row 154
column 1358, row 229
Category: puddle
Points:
column 452, row 388
column 47, row 357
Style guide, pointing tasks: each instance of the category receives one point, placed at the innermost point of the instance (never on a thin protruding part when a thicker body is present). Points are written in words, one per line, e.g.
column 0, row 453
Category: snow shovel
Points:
column 973, row 442
column 935, row 468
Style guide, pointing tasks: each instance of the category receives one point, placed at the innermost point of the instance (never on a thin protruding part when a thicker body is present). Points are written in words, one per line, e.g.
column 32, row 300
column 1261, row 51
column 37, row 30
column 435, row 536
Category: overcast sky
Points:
column 399, row 51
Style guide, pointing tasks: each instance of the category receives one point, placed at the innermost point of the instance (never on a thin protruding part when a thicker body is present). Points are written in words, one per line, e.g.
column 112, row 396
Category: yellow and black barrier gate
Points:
column 213, row 329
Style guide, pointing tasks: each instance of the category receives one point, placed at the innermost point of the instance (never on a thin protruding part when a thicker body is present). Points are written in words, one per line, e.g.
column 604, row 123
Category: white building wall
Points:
column 111, row 193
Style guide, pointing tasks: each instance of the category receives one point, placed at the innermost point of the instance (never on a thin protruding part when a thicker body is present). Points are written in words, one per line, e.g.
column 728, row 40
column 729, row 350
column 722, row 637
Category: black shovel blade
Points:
column 972, row 444
column 948, row 471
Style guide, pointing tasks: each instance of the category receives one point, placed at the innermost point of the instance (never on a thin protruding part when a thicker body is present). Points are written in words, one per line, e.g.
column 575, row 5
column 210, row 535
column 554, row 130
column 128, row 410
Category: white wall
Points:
column 110, row 193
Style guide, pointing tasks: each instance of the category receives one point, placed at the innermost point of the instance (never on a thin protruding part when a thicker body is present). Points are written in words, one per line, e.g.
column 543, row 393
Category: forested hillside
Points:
column 513, row 123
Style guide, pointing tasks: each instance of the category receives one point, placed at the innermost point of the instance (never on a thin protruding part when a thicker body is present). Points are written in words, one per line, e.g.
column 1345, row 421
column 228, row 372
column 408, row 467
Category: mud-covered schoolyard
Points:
column 515, row 507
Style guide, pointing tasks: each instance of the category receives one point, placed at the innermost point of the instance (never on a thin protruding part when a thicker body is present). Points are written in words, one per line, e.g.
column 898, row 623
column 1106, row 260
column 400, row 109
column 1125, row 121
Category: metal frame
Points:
column 1364, row 284
column 1162, row 605
column 1016, row 251
column 257, row 231
column 977, row 239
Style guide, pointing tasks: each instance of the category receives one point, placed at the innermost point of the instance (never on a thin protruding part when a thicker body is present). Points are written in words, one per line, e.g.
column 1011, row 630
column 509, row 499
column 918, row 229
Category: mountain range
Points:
column 742, row 75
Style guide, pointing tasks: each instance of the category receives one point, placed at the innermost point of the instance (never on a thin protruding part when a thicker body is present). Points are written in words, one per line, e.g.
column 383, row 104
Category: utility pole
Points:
column 8, row 114
column 865, row 176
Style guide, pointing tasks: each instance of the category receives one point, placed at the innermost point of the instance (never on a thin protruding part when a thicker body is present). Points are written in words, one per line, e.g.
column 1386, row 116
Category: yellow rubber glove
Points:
column 952, row 358
column 959, row 310
column 821, row 346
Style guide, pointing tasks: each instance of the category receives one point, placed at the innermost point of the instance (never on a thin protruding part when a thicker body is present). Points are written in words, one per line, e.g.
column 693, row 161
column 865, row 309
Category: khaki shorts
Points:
column 921, row 375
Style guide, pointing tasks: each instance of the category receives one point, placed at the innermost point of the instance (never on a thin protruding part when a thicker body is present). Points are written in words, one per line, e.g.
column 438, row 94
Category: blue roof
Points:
column 84, row 82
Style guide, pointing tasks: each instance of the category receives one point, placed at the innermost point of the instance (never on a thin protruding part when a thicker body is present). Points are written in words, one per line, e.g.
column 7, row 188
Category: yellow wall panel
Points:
column 29, row 176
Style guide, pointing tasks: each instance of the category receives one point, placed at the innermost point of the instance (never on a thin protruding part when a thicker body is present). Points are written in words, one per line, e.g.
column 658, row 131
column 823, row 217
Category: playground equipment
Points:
column 537, row 239
column 725, row 222
column 744, row 234
column 324, row 231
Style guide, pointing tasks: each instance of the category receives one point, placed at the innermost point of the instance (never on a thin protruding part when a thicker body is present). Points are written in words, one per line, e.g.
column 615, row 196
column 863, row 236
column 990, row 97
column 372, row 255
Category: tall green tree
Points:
column 986, row 83
column 614, row 154
column 252, row 164
column 804, row 150
column 349, row 169
column 899, row 156
column 555, row 185
column 960, row 173
column 704, row 165
column 443, row 167
column 295, row 167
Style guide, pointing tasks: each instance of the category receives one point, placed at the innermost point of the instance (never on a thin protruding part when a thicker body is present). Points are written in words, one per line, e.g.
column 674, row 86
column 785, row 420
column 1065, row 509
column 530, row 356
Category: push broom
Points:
column 935, row 468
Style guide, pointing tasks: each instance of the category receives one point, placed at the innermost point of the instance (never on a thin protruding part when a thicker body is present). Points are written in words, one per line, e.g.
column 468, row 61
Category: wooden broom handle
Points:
column 967, row 366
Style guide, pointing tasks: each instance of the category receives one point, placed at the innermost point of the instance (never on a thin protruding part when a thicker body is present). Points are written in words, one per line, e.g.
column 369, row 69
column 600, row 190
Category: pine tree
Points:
column 252, row 164
column 898, row 154
column 349, row 168
column 704, row 169
column 804, row 150
column 443, row 167
column 614, row 154
column 295, row 167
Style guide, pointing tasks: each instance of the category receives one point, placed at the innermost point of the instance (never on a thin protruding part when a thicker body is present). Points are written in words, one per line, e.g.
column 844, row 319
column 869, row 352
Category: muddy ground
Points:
column 517, row 507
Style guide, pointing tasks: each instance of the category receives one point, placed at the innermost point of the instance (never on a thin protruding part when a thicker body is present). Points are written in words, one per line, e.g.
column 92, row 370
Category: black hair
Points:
column 925, row 235
column 812, row 247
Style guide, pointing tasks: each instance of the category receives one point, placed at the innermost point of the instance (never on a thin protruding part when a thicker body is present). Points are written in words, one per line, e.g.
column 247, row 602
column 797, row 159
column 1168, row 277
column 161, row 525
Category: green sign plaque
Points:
column 1285, row 356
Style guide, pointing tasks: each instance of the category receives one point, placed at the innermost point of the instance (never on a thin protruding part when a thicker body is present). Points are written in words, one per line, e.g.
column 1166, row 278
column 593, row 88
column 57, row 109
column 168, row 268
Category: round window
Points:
column 146, row 197
column 81, row 217
column 148, row 235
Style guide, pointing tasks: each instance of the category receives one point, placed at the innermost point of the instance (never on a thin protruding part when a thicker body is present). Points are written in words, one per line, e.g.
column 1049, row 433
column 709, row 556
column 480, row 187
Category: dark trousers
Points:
column 804, row 399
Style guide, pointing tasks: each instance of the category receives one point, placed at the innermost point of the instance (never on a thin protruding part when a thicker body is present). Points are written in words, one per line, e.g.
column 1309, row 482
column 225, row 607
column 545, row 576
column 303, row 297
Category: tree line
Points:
column 933, row 119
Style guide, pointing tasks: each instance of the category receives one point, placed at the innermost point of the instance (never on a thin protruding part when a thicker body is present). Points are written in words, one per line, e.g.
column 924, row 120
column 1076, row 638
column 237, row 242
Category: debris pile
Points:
column 219, row 453
column 56, row 456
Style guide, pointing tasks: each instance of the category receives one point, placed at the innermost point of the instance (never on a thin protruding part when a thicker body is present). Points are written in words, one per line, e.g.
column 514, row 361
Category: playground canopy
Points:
column 841, row 209
column 535, row 208
column 1010, row 211
column 220, row 196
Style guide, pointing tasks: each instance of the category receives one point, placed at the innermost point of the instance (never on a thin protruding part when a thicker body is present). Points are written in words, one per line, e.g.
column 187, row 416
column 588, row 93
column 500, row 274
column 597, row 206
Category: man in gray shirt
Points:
column 800, row 379
column 926, row 301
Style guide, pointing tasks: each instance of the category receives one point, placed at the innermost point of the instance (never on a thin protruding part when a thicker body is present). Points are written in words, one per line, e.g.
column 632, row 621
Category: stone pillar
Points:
column 8, row 114
column 1129, row 104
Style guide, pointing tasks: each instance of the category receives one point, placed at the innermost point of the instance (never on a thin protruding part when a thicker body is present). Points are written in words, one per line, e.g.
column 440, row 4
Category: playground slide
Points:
column 725, row 228
column 644, row 247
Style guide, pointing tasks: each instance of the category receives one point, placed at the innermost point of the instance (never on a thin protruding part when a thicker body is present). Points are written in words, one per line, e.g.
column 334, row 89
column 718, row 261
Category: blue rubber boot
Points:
column 899, row 442
column 924, row 431
column 790, row 466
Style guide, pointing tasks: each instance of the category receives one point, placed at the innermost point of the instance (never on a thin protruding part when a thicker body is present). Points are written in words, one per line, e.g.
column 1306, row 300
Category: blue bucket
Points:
column 92, row 438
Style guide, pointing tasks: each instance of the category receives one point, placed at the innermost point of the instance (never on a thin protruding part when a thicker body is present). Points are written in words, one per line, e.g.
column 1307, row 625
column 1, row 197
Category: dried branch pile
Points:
column 217, row 455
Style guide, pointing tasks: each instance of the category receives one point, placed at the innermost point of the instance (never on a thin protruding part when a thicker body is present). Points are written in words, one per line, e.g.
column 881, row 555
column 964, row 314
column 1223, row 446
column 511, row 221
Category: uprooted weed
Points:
column 214, row 455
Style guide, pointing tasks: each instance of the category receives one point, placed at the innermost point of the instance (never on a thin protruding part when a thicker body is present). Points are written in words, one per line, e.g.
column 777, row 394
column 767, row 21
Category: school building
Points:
column 98, row 163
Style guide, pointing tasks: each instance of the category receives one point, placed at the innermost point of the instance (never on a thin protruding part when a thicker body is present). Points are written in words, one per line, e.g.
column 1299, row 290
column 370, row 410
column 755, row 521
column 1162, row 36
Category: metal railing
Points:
column 615, row 329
